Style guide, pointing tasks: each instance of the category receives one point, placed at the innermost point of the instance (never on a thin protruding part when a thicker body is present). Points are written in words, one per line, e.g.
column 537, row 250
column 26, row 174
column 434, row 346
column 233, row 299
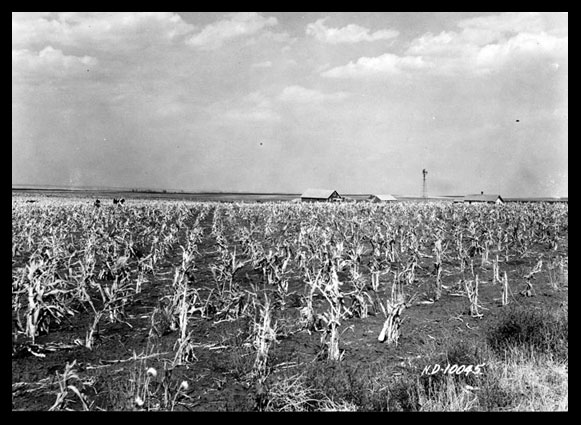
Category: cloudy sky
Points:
column 279, row 102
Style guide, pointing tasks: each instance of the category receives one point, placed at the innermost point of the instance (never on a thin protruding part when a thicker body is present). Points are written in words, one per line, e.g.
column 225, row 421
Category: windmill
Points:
column 424, row 185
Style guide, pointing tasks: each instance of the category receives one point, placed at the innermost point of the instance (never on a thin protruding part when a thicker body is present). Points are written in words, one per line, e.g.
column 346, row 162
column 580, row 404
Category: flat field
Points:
column 278, row 306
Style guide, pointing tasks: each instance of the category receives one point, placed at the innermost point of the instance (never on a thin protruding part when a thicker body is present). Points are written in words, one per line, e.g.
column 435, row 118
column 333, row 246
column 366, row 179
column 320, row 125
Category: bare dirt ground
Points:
column 218, row 377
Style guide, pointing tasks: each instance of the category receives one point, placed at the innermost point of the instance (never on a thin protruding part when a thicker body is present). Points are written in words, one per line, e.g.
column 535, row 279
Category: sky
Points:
column 279, row 102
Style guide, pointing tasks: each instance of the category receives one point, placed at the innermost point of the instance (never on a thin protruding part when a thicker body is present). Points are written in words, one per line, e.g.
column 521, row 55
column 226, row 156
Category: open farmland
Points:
column 180, row 305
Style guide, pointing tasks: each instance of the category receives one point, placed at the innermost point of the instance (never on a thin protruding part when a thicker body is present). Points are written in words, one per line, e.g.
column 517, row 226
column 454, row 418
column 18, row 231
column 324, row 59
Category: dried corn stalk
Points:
column 390, row 331
column 264, row 335
column 495, row 271
column 505, row 290
column 438, row 267
column 471, row 287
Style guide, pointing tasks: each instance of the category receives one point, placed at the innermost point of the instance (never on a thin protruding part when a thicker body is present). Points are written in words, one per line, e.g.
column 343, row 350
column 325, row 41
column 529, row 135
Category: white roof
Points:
column 318, row 193
column 385, row 197
column 482, row 198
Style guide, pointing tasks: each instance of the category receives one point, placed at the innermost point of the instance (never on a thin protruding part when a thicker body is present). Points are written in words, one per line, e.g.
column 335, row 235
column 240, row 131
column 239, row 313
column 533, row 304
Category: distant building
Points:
column 320, row 195
column 348, row 199
column 529, row 200
column 382, row 198
column 491, row 199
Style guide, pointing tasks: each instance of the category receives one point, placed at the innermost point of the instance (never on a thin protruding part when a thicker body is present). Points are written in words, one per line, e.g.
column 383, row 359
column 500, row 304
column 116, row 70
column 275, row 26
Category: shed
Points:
column 317, row 195
column 382, row 198
column 491, row 199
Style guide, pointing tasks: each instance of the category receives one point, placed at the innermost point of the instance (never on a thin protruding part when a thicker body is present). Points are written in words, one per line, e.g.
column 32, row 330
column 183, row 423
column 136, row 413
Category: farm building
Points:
column 496, row 199
column 382, row 198
column 544, row 199
column 345, row 198
column 319, row 195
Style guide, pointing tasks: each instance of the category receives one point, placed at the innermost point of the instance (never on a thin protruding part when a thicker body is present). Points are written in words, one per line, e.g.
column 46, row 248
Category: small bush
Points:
column 539, row 330
column 294, row 393
column 461, row 352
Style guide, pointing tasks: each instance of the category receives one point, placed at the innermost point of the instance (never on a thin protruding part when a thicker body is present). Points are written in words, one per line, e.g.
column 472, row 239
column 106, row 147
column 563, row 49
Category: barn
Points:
column 490, row 199
column 382, row 198
column 320, row 195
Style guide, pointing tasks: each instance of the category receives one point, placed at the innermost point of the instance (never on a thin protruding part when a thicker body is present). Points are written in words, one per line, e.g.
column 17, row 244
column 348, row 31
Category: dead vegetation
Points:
column 281, row 306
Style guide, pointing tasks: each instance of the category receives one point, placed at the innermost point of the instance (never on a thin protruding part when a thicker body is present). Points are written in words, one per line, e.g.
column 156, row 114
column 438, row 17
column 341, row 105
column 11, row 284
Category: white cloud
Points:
column 266, row 36
column 478, row 32
column 511, row 22
column 235, row 25
column 301, row 94
column 387, row 64
column 486, row 44
column 103, row 31
column 447, row 43
column 349, row 34
column 49, row 62
column 483, row 45
column 520, row 47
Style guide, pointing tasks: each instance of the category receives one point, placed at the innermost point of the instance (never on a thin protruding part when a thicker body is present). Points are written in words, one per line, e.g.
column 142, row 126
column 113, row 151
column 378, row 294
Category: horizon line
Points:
column 183, row 191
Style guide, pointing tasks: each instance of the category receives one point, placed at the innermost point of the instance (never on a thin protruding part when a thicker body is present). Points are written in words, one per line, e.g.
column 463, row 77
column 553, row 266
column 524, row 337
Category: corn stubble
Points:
column 70, row 258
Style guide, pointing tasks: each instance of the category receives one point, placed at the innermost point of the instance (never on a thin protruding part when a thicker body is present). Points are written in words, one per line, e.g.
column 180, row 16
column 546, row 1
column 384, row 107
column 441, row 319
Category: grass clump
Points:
column 460, row 364
column 538, row 330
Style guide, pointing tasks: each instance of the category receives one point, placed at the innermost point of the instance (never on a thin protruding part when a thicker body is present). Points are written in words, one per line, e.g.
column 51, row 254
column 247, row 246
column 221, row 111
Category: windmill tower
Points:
column 424, row 184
